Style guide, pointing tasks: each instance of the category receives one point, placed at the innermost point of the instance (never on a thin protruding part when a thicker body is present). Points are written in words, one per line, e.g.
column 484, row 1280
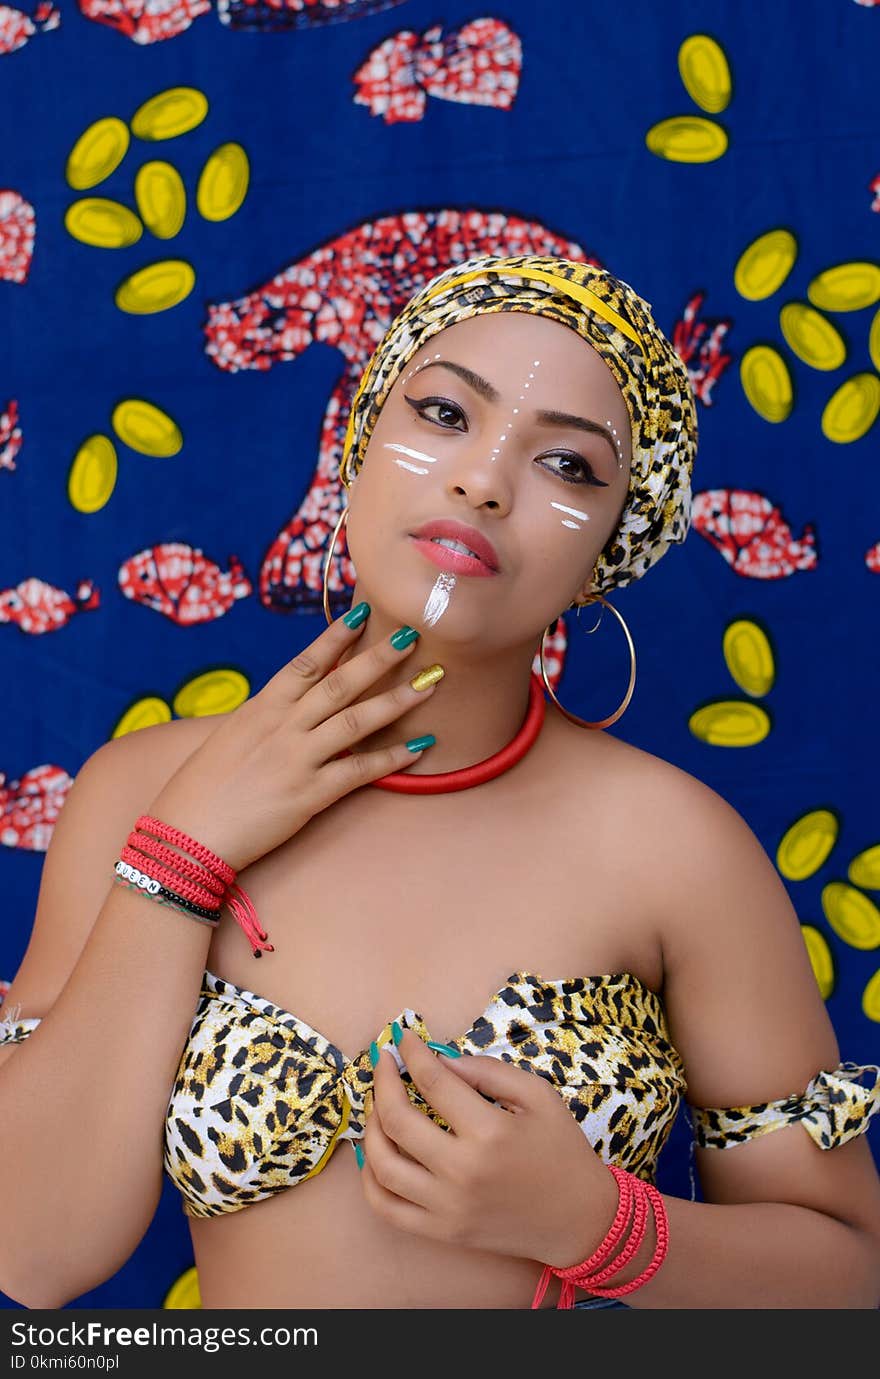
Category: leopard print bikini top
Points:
column 261, row 1100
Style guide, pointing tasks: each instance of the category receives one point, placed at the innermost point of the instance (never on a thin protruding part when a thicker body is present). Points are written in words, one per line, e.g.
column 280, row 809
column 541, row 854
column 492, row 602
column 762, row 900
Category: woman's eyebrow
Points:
column 579, row 423
column 474, row 380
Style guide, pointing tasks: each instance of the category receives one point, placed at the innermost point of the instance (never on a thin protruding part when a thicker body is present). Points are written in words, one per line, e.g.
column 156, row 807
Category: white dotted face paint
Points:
column 508, row 425
column 617, row 446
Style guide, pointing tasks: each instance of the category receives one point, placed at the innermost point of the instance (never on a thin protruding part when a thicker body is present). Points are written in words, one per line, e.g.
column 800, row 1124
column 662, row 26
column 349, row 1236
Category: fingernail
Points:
column 396, row 1031
column 359, row 1155
column 418, row 744
column 444, row 1048
column 355, row 616
column 374, row 1053
column 403, row 637
column 427, row 677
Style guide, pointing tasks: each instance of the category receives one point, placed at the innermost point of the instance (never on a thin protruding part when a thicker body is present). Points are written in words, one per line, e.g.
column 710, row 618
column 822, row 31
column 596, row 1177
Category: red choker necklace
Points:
column 481, row 771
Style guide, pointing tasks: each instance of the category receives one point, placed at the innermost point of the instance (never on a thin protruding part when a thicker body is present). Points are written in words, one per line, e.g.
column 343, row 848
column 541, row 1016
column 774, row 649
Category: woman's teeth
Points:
column 454, row 546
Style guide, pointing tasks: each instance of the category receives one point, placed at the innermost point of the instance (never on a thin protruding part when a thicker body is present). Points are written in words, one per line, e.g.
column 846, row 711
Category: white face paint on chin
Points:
column 437, row 601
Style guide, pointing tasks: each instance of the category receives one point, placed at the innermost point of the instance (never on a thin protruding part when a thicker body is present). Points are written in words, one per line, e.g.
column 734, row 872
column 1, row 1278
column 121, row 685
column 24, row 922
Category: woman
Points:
column 425, row 953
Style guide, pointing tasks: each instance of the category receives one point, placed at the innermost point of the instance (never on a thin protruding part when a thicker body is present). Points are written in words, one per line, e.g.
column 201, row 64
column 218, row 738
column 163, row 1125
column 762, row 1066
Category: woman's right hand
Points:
column 267, row 768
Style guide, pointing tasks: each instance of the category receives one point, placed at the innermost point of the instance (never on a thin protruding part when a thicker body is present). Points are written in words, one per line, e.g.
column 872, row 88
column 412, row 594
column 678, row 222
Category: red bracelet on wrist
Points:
column 592, row 1273
column 210, row 884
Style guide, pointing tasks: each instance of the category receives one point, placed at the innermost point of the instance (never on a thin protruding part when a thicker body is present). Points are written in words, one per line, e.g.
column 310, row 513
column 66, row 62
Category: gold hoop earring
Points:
column 342, row 517
column 572, row 717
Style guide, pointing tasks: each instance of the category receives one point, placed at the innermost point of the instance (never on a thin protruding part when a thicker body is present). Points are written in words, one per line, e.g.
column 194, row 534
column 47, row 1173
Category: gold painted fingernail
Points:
column 427, row 677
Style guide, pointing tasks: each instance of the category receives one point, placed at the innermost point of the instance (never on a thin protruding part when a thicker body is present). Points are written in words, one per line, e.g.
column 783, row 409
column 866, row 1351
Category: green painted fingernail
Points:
column 444, row 1048
column 420, row 744
column 359, row 1155
column 396, row 1032
column 374, row 1053
column 355, row 616
column 404, row 637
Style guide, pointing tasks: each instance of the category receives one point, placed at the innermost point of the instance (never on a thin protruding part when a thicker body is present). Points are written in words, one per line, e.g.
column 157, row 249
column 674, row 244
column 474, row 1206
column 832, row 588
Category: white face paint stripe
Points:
column 413, row 454
column 413, row 468
column 584, row 516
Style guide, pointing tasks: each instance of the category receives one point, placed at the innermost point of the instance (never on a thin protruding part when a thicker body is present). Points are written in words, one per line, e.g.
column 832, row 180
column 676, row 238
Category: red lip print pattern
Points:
column 145, row 21
column 17, row 231
column 478, row 64
column 346, row 293
column 701, row 353
column 872, row 559
column 176, row 580
column 36, row 607
column 752, row 534
column 16, row 27
column 30, row 806
column 10, row 435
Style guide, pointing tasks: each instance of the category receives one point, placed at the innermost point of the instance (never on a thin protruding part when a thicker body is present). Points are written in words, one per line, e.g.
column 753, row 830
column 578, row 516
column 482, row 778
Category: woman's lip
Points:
column 451, row 560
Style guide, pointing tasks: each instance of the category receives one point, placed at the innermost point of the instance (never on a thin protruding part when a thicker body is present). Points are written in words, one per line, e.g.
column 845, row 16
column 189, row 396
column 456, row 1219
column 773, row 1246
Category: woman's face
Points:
column 511, row 424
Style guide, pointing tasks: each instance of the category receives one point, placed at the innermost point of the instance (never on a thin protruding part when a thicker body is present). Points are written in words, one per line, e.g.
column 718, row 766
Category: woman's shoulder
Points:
column 682, row 840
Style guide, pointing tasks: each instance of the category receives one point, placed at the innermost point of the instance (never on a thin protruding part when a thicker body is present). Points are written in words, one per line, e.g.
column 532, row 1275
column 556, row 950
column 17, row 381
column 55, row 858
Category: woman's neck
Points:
column 476, row 709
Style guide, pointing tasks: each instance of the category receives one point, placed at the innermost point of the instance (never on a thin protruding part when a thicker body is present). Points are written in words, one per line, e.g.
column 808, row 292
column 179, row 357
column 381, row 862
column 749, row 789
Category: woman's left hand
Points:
column 516, row 1178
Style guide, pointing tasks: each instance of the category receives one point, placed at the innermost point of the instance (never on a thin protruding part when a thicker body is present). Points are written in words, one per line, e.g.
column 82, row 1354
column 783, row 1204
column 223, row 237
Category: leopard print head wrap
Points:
column 618, row 323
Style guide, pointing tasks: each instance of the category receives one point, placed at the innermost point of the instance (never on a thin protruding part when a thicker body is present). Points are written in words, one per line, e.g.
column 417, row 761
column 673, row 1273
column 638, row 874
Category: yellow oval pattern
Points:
column 161, row 198
column 223, row 183
column 97, row 152
column 687, row 139
column 156, row 287
column 142, row 714
column 216, row 691
column 749, row 656
column 852, row 916
column 763, row 267
column 811, row 336
column 705, row 71
column 766, row 382
column 852, row 410
column 820, row 959
column 92, row 476
column 871, row 997
column 806, row 845
column 846, row 287
column 874, row 342
column 730, row 723
column 103, row 224
column 170, row 113
column 864, row 869
column 146, row 428
column 184, row 1294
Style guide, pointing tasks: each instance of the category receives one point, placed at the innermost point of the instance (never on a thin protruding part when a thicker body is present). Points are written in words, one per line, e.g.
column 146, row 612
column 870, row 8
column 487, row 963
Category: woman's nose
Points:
column 484, row 473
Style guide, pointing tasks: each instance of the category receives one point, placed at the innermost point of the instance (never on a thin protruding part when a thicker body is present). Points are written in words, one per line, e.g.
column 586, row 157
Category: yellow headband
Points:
column 569, row 289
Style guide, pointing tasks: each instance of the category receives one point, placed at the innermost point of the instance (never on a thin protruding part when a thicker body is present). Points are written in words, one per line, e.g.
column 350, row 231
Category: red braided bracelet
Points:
column 236, row 900
column 593, row 1272
column 661, row 1224
column 151, row 847
column 172, row 879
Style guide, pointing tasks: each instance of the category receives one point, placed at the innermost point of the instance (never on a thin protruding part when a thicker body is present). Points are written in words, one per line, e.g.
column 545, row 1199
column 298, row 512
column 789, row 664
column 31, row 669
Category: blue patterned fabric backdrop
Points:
column 209, row 211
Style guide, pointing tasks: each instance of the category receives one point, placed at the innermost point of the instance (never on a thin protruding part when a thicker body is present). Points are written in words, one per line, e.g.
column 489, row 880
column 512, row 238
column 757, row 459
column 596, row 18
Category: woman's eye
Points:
column 445, row 413
column 581, row 473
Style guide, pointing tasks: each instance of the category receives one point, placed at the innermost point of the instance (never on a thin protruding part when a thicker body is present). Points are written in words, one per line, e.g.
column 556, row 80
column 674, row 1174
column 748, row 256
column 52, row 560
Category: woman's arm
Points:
column 784, row 1223
column 113, row 979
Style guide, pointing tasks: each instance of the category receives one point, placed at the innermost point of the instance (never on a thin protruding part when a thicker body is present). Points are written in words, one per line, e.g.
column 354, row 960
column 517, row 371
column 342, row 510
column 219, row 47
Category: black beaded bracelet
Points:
column 149, row 886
